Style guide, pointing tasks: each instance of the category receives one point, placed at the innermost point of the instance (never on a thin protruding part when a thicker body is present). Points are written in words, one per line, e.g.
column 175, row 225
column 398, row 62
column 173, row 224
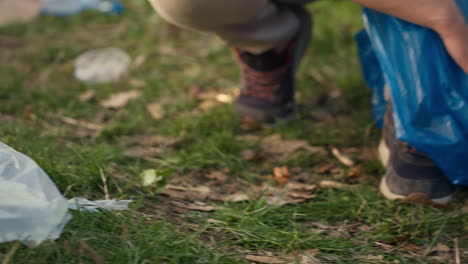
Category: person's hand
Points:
column 455, row 38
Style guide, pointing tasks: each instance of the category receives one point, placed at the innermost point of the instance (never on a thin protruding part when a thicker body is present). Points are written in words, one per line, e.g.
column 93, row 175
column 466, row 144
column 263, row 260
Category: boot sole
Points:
column 384, row 155
column 266, row 116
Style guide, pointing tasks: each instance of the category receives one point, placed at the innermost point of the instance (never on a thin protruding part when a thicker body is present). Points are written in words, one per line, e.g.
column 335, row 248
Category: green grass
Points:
column 37, row 88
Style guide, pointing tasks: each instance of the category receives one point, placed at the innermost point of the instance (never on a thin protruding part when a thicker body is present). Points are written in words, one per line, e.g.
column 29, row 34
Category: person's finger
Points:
column 457, row 46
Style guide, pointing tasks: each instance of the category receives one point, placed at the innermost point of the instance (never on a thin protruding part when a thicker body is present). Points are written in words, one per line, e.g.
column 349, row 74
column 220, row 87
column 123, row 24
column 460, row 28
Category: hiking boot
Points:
column 267, row 84
column 409, row 171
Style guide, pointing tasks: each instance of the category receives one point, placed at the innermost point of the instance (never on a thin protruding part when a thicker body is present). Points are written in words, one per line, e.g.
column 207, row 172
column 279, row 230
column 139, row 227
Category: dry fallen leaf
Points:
column 248, row 137
column 194, row 206
column 188, row 193
column 224, row 98
column 281, row 175
column 87, row 96
column 98, row 259
column 214, row 221
column 236, row 197
column 136, row 83
column 336, row 185
column 266, row 259
column 322, row 116
column 355, row 174
column 412, row 248
column 144, row 152
column 422, row 198
column 208, row 105
column 292, row 193
column 325, row 168
column 249, row 123
column 343, row 158
column 251, row 155
column 156, row 111
column 120, row 100
column 217, row 176
column 154, row 141
column 139, row 60
column 275, row 145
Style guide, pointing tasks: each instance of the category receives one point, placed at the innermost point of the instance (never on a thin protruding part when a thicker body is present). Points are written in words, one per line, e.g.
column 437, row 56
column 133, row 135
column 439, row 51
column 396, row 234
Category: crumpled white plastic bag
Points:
column 31, row 207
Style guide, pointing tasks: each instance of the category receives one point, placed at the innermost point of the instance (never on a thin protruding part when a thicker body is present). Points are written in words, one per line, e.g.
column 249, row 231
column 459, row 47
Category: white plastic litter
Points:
column 94, row 206
column 31, row 208
column 102, row 65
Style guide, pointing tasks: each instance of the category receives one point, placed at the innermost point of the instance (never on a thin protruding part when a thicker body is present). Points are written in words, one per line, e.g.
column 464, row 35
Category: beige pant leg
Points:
column 252, row 25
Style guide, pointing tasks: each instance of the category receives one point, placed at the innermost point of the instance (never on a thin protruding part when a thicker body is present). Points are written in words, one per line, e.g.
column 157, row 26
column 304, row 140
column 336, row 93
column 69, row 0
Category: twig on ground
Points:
column 342, row 158
column 104, row 185
column 116, row 185
column 11, row 253
column 80, row 123
column 457, row 251
column 69, row 187
column 96, row 257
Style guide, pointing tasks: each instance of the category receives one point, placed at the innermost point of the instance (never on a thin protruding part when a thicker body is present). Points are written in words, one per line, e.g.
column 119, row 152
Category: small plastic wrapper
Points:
column 83, row 204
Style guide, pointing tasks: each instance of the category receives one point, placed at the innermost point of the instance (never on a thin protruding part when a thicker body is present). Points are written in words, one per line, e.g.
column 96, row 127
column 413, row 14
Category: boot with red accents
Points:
column 267, row 85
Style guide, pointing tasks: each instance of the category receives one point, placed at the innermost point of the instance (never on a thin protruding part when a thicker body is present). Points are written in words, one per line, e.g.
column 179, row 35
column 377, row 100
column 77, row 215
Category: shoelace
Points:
column 264, row 85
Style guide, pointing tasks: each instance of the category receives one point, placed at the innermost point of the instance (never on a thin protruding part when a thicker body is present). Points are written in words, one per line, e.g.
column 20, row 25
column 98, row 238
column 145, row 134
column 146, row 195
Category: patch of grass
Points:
column 37, row 89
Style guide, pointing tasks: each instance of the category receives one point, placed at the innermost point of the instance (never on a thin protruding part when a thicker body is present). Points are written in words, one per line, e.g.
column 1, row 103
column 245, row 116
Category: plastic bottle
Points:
column 70, row 7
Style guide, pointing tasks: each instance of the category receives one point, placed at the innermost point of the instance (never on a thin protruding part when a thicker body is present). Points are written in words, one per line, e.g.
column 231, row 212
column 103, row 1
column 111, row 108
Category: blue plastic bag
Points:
column 429, row 90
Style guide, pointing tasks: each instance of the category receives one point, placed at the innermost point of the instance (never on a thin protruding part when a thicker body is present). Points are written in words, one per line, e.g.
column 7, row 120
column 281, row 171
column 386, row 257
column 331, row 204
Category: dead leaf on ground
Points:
column 154, row 141
column 236, row 197
column 217, row 176
column 139, row 60
column 248, row 137
column 119, row 100
column 400, row 238
column 372, row 257
column 5, row 117
column 336, row 185
column 214, row 221
column 144, row 152
column 441, row 252
column 307, row 260
column 298, row 190
column 198, row 206
column 224, row 98
column 94, row 255
column 156, row 111
column 292, row 193
column 208, row 105
column 252, row 155
column 281, row 175
column 87, row 96
column 355, row 174
column 268, row 259
column 342, row 158
column 422, row 198
column 320, row 115
column 194, row 193
column 326, row 168
column 250, row 124
column 412, row 249
column 136, row 83
column 275, row 145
